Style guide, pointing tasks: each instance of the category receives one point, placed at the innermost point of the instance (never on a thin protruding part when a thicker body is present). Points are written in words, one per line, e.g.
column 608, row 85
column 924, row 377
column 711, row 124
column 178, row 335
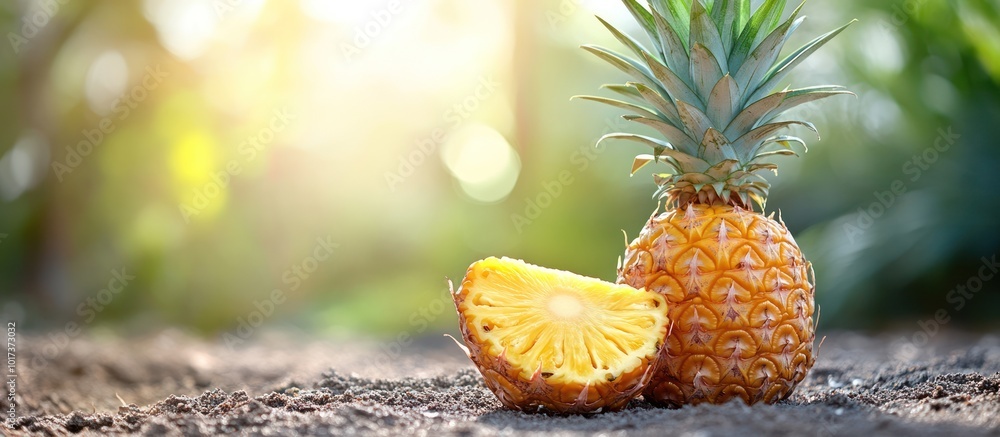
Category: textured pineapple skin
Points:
column 740, row 296
column 535, row 394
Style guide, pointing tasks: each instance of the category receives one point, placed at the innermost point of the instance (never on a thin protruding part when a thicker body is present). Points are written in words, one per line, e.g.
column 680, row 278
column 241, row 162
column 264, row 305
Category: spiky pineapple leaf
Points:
column 652, row 113
column 645, row 19
column 743, row 17
column 749, row 117
column 675, row 52
column 706, row 33
column 681, row 140
column 772, row 21
column 773, row 168
column 665, row 182
column 639, row 162
column 779, row 71
column 755, row 30
column 773, row 105
column 786, row 142
column 626, row 40
column 695, row 122
column 749, row 144
column 782, row 152
column 704, row 69
column 715, row 147
column 763, row 166
column 756, row 67
column 679, row 90
column 723, row 169
column 629, row 66
column 794, row 98
column 719, row 187
column 687, row 163
column 725, row 14
column 724, row 101
column 661, row 104
column 678, row 14
column 696, row 179
column 624, row 90
column 639, row 71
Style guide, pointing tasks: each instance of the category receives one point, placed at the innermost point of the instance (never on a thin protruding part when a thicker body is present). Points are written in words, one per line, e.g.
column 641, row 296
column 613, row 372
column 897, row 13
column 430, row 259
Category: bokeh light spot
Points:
column 184, row 26
column 193, row 159
column 106, row 81
column 22, row 166
column 482, row 161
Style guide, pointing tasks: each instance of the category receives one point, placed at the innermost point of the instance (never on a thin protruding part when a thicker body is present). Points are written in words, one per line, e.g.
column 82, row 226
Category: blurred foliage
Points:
column 373, row 86
column 940, row 76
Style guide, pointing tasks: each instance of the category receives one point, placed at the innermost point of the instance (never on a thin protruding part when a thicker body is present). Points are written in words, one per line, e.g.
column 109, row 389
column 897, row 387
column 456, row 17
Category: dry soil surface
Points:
column 281, row 384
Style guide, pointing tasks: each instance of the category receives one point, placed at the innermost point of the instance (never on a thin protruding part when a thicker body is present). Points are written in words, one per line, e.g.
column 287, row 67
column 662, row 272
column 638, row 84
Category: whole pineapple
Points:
column 739, row 291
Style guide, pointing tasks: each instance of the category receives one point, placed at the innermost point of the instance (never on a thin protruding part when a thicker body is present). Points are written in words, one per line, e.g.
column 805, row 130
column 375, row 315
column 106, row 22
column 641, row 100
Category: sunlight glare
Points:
column 346, row 12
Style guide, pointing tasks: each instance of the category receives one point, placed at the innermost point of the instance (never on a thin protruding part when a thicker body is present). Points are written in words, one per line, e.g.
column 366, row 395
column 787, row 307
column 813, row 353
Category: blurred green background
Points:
column 353, row 154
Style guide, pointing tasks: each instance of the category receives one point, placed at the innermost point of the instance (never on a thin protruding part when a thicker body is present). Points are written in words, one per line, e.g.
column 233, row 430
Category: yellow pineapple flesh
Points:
column 740, row 295
column 549, row 340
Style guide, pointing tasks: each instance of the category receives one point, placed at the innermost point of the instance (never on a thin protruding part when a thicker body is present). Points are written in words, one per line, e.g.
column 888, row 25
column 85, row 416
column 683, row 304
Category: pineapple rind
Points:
column 740, row 294
column 523, row 384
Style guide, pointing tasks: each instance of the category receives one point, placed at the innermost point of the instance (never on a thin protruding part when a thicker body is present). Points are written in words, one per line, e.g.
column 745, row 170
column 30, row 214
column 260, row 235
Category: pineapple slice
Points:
column 549, row 340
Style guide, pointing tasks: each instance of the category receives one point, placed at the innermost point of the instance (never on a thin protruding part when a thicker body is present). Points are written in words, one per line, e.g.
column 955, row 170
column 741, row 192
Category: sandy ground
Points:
column 281, row 384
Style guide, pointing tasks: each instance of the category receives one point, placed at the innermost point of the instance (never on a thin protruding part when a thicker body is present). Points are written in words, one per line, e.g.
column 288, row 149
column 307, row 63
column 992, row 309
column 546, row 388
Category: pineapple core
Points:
column 565, row 306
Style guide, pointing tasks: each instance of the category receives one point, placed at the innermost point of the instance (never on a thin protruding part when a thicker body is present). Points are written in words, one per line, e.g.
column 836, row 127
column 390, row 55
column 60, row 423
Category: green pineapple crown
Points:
column 706, row 87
